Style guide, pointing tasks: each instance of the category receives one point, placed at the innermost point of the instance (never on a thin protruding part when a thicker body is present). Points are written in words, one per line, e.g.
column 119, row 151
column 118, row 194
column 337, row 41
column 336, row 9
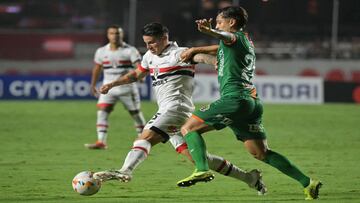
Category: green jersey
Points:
column 236, row 66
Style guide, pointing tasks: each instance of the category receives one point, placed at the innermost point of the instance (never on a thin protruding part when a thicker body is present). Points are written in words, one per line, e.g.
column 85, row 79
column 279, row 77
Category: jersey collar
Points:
column 168, row 48
column 124, row 44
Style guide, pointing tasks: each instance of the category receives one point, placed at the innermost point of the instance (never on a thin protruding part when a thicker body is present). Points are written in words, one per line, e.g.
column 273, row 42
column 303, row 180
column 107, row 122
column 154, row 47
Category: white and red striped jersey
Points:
column 118, row 62
column 172, row 80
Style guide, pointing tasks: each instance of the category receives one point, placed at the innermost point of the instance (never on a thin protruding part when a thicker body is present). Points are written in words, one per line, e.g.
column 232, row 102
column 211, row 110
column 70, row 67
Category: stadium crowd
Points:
column 282, row 29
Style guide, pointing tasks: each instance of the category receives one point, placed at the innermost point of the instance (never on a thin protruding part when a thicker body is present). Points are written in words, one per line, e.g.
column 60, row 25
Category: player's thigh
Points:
column 167, row 122
column 195, row 124
column 130, row 101
column 249, row 127
column 218, row 114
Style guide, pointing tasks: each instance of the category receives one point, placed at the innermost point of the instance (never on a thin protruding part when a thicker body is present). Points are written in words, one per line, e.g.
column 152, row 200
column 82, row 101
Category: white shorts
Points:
column 129, row 97
column 167, row 123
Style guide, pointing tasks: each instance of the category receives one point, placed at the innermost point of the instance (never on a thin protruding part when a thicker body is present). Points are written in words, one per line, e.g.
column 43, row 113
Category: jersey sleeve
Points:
column 144, row 65
column 97, row 57
column 134, row 55
column 245, row 41
column 234, row 39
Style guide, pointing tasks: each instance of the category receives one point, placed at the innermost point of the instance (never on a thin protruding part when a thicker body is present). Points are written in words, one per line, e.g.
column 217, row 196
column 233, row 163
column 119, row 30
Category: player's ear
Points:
column 165, row 37
column 232, row 22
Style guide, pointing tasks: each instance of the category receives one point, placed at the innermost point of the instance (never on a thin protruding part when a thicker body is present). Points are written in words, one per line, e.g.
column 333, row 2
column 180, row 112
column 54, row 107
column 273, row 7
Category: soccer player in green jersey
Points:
column 238, row 107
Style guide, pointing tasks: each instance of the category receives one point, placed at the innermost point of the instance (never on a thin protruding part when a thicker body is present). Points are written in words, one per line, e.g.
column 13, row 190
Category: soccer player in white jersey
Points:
column 173, row 82
column 115, row 59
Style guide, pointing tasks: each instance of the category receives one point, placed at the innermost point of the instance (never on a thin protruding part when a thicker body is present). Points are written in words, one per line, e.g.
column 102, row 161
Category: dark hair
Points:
column 113, row 26
column 155, row 29
column 236, row 12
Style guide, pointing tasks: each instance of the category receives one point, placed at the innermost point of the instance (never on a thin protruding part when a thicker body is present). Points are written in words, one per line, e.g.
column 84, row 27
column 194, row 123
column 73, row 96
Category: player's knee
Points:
column 102, row 115
column 108, row 108
column 189, row 127
column 259, row 155
column 150, row 136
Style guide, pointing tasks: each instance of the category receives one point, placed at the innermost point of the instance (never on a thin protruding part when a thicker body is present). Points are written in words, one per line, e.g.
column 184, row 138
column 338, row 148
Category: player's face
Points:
column 223, row 23
column 155, row 45
column 113, row 35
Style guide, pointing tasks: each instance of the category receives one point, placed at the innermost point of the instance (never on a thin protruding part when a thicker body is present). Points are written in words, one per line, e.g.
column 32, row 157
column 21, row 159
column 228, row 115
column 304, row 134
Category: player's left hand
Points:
column 186, row 55
column 105, row 88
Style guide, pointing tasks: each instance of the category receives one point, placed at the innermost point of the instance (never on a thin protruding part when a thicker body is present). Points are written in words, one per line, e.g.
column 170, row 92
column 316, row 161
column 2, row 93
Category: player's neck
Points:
column 234, row 30
column 115, row 46
column 165, row 47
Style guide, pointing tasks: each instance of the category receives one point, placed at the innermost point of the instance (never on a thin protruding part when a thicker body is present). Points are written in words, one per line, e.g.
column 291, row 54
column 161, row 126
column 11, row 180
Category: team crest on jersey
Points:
column 115, row 64
column 156, row 72
column 205, row 108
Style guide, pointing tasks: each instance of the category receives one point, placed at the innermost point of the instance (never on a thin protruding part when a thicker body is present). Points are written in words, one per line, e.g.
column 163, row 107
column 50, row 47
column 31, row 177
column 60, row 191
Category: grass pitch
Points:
column 42, row 150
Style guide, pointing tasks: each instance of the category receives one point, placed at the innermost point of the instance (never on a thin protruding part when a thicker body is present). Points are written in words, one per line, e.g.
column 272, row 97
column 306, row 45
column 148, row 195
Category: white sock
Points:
column 102, row 125
column 222, row 166
column 139, row 122
column 136, row 156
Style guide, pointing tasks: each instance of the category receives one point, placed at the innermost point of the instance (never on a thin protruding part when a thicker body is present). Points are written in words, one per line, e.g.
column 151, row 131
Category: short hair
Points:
column 236, row 12
column 155, row 29
column 115, row 26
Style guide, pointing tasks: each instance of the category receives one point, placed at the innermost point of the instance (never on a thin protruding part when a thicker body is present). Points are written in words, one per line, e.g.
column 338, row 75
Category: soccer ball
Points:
column 84, row 183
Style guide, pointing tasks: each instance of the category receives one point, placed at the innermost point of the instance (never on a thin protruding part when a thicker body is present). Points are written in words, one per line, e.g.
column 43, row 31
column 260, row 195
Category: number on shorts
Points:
column 154, row 118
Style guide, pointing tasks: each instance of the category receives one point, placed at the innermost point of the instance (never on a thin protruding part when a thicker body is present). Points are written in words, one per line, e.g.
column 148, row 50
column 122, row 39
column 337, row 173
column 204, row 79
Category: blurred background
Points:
column 56, row 40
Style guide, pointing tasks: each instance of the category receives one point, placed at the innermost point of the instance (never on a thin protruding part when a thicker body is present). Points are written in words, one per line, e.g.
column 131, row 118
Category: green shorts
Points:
column 241, row 113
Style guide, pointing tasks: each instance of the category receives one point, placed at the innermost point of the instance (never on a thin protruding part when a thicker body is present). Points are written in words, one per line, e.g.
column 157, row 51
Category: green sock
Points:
column 285, row 166
column 197, row 149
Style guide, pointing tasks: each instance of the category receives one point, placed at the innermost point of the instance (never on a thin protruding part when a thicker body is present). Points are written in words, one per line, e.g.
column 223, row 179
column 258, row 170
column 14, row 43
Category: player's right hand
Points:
column 94, row 92
column 204, row 25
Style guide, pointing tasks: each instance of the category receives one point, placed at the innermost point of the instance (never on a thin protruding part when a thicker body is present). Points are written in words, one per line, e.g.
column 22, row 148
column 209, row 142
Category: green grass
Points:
column 42, row 149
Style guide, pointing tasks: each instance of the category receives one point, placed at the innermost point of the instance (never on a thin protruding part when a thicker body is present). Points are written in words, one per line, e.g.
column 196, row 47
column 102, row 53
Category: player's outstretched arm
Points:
column 187, row 55
column 130, row 77
column 205, row 58
column 204, row 26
